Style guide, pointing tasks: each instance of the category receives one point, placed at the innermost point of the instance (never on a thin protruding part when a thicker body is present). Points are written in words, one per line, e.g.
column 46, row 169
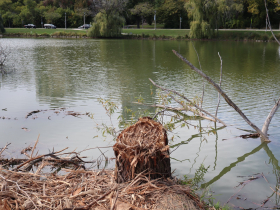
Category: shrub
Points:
column 45, row 34
column 265, row 37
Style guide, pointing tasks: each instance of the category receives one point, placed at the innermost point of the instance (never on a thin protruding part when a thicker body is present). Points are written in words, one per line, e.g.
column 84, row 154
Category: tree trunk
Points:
column 142, row 148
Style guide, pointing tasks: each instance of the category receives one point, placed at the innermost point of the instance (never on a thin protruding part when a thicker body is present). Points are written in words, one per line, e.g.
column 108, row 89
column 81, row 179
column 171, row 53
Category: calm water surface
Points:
column 73, row 74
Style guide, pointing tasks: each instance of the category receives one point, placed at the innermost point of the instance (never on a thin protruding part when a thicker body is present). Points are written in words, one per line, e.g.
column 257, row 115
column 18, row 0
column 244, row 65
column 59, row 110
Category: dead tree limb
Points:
column 267, row 16
column 193, row 104
column 223, row 94
column 220, row 84
column 277, row 104
column 269, row 117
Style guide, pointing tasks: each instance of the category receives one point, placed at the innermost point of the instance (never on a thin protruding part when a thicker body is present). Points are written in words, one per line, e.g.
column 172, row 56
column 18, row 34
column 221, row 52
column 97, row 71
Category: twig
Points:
column 194, row 111
column 37, row 158
column 219, row 84
column 4, row 148
column 34, row 146
column 200, row 70
column 159, row 113
column 112, row 208
column 193, row 104
column 227, row 99
column 20, row 190
column 101, row 197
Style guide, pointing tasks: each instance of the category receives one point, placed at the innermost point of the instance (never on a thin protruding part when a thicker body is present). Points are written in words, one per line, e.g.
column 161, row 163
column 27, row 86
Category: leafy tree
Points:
column 2, row 29
column 28, row 12
column 106, row 25
column 143, row 11
column 209, row 15
column 170, row 13
column 52, row 15
column 107, row 22
column 258, row 14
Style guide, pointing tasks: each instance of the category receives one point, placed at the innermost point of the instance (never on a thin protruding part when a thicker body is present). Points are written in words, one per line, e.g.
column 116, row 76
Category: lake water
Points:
column 55, row 73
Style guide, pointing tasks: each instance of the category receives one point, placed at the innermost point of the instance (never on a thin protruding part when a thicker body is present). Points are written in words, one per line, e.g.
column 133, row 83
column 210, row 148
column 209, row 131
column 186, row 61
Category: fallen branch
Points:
column 32, row 159
column 269, row 117
column 223, row 94
column 193, row 104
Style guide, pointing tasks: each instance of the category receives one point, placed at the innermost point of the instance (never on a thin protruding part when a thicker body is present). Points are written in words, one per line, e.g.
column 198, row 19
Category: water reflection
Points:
column 74, row 73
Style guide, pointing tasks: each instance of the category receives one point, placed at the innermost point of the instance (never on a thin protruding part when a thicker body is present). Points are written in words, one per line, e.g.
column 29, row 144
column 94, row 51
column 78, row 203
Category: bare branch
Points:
column 4, row 149
column 200, row 70
column 193, row 104
column 267, row 16
column 228, row 100
column 219, row 84
column 269, row 117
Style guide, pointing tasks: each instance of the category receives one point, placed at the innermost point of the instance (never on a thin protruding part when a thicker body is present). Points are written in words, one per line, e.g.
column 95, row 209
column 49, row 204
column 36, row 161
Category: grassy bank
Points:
column 158, row 32
column 240, row 35
column 44, row 32
column 221, row 35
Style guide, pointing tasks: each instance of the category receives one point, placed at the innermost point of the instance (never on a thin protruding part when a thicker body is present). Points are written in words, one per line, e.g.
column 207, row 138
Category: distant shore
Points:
column 261, row 35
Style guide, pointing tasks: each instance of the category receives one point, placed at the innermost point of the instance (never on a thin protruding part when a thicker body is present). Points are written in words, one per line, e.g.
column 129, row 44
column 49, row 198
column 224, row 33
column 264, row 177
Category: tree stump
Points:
column 142, row 147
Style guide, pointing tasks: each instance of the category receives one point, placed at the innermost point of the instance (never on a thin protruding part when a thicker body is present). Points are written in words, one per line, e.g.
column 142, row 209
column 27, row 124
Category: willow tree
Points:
column 106, row 25
column 208, row 15
column 107, row 22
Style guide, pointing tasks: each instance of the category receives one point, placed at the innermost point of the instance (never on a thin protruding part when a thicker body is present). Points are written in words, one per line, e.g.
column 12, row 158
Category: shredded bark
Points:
column 142, row 147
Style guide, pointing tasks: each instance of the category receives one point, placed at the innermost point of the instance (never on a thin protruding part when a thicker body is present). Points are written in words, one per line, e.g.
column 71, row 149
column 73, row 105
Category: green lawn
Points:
column 44, row 31
column 222, row 34
column 158, row 32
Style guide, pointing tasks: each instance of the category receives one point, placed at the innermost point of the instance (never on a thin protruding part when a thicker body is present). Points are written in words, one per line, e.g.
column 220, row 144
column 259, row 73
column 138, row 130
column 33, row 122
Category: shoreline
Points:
column 134, row 36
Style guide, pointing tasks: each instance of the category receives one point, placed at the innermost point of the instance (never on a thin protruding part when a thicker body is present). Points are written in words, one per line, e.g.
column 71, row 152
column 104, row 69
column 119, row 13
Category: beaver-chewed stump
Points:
column 142, row 147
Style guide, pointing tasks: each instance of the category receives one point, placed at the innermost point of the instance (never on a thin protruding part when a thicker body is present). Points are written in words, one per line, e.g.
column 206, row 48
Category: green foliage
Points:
column 170, row 12
column 2, row 29
column 106, row 25
column 198, row 177
column 143, row 10
column 210, row 15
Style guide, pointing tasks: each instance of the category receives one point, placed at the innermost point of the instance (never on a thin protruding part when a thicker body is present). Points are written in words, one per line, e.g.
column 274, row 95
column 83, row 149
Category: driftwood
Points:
column 57, row 111
column 142, row 147
column 223, row 94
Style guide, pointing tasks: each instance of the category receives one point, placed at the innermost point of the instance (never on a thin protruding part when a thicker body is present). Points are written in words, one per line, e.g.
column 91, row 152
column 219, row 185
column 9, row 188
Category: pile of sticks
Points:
column 58, row 181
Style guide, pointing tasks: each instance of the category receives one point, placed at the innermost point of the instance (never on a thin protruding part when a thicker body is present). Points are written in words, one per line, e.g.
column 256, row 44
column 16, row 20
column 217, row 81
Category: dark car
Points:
column 29, row 26
column 85, row 26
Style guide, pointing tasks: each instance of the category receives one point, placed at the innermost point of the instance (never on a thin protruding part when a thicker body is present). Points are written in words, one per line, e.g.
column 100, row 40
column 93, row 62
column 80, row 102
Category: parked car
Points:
column 85, row 26
column 29, row 26
column 49, row 26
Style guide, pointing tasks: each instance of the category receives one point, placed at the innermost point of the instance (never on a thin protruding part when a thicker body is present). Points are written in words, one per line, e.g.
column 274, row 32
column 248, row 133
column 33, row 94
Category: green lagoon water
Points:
column 73, row 74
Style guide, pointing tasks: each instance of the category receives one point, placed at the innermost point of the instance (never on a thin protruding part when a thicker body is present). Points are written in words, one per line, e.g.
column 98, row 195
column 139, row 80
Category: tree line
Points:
column 201, row 16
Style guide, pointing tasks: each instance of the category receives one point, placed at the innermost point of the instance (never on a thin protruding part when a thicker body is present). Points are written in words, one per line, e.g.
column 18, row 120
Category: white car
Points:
column 85, row 26
column 48, row 26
